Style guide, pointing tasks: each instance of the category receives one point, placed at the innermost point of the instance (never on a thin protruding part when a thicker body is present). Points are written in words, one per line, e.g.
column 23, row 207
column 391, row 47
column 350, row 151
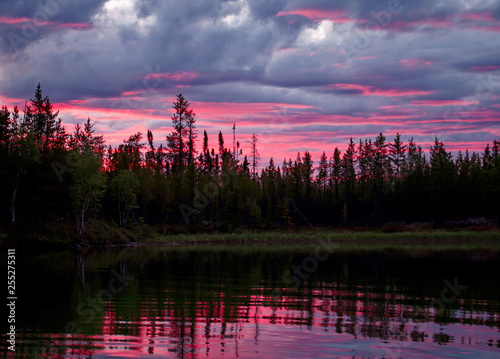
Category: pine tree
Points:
column 255, row 155
column 366, row 164
column 397, row 154
column 322, row 177
column 180, row 142
column 42, row 121
column 205, row 141
column 382, row 164
column 349, row 173
column 84, row 141
column 221, row 144
column 336, row 172
column 205, row 155
column 442, row 179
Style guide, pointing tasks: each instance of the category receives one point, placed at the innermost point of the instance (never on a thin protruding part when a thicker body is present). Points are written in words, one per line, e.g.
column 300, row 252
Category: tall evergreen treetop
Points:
column 180, row 142
column 41, row 120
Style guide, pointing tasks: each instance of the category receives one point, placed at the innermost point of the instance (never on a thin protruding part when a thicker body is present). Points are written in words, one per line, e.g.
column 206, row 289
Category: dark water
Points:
column 246, row 302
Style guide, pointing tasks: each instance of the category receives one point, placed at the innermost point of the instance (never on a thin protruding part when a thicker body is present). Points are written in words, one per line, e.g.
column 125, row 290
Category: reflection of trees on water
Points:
column 197, row 327
column 80, row 271
column 221, row 300
column 200, row 304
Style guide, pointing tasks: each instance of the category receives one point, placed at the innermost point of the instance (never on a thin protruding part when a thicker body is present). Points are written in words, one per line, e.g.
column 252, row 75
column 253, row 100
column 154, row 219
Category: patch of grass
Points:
column 435, row 240
column 102, row 233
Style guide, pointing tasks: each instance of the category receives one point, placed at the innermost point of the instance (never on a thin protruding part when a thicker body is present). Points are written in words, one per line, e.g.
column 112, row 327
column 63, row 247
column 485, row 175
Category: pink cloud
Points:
column 131, row 93
column 287, row 49
column 175, row 76
column 77, row 102
column 364, row 58
column 475, row 21
column 373, row 91
column 317, row 14
column 228, row 109
column 485, row 68
column 23, row 20
column 76, row 25
column 11, row 102
column 278, row 124
column 478, row 16
column 414, row 62
column 438, row 103
column 13, row 20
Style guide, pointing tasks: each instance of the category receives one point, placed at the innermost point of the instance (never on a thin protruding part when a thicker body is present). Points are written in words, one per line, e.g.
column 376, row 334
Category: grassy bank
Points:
column 405, row 238
column 433, row 240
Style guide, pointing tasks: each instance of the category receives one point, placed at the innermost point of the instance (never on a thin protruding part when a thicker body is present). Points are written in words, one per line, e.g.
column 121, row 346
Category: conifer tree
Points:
column 180, row 142
column 322, row 177
column 255, row 155
column 336, row 172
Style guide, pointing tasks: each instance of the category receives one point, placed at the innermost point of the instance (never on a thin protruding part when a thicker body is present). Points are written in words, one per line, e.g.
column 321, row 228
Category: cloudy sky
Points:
column 302, row 74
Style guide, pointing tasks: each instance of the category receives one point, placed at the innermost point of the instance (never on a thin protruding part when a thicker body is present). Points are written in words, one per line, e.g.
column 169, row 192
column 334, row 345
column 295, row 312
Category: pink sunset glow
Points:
column 24, row 22
column 303, row 77
column 317, row 14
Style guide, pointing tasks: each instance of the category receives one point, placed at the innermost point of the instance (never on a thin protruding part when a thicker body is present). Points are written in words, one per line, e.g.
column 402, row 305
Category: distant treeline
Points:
column 49, row 175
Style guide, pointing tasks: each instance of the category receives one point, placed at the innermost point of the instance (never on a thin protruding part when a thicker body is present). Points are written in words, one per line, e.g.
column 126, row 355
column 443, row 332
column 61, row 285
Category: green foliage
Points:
column 87, row 190
column 123, row 187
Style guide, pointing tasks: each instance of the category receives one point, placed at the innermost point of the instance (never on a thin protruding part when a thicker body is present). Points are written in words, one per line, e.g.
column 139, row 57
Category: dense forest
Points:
column 52, row 175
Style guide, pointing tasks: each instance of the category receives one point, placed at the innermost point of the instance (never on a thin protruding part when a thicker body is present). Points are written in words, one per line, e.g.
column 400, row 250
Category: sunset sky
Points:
column 305, row 75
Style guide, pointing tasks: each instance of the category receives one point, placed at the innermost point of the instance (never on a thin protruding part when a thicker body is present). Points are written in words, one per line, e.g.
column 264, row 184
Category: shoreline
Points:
column 342, row 239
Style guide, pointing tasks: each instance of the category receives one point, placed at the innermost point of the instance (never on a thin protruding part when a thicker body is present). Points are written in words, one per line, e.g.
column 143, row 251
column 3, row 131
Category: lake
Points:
column 254, row 302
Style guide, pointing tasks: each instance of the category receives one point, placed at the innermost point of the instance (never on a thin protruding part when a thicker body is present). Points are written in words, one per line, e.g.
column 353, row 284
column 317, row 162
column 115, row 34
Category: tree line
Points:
column 49, row 174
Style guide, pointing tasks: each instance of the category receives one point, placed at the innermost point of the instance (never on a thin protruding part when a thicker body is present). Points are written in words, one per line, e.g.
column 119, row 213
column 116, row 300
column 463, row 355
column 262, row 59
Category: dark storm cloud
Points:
column 65, row 11
column 484, row 62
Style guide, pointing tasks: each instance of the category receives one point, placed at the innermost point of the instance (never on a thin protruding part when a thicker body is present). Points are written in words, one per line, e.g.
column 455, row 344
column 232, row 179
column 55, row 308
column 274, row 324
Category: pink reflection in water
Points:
column 327, row 322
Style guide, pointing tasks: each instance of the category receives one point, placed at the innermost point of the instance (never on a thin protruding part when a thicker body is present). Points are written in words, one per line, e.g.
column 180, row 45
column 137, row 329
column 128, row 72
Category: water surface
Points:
column 255, row 302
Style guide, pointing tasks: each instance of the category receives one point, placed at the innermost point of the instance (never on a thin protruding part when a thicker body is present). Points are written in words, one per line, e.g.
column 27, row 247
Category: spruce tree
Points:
column 180, row 142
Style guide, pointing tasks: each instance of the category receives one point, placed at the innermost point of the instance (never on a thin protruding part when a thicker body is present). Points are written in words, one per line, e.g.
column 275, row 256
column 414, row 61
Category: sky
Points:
column 304, row 75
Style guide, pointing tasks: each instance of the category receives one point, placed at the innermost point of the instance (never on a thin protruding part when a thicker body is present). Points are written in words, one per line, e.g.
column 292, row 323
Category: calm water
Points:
column 202, row 302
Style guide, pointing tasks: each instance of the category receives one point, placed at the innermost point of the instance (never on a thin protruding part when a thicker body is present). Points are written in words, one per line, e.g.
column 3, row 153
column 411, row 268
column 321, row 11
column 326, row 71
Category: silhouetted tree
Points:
column 255, row 155
column 336, row 172
column 322, row 176
column 348, row 173
column 180, row 142
column 442, row 179
column 48, row 174
column 41, row 120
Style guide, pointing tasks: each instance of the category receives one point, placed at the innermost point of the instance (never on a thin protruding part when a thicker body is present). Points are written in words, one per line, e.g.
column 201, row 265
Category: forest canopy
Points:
column 50, row 174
